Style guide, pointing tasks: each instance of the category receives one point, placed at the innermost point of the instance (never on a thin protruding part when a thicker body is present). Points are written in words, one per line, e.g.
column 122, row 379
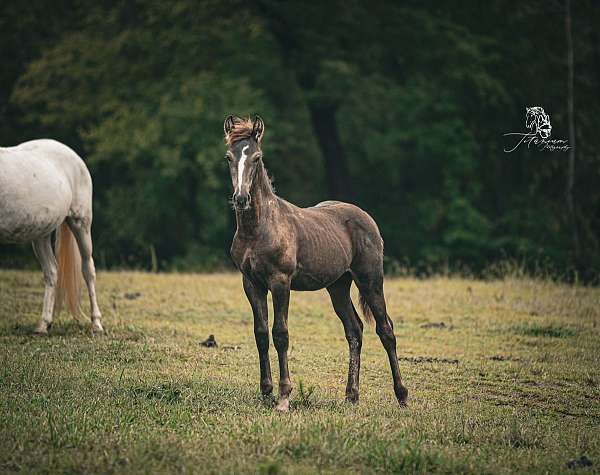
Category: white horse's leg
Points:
column 43, row 250
column 81, row 229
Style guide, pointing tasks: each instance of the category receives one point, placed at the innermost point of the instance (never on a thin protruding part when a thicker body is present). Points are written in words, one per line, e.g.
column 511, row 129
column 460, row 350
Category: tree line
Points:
column 399, row 107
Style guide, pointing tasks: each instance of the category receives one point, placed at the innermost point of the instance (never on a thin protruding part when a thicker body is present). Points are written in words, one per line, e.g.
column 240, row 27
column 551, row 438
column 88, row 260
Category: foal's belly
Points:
column 319, row 263
column 307, row 283
column 309, row 279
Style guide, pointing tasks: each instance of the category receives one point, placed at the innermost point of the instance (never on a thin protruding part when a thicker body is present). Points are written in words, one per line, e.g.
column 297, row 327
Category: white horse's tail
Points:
column 68, row 288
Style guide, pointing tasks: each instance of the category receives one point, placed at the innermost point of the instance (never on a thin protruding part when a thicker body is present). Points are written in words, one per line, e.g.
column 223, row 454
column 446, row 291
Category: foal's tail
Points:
column 364, row 306
column 68, row 286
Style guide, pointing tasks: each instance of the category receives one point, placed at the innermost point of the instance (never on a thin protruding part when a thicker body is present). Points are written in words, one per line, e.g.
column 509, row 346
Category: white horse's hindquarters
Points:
column 35, row 193
column 42, row 182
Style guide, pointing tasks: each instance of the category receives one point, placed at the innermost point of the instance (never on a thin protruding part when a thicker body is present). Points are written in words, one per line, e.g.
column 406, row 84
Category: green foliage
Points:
column 168, row 393
column 166, row 185
column 547, row 330
column 421, row 95
column 305, row 395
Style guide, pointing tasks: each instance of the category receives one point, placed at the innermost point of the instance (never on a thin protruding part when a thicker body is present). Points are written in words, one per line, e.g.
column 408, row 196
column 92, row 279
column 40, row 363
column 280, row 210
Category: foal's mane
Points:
column 242, row 129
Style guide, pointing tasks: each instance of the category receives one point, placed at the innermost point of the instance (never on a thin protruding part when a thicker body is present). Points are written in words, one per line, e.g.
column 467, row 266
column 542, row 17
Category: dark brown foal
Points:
column 279, row 247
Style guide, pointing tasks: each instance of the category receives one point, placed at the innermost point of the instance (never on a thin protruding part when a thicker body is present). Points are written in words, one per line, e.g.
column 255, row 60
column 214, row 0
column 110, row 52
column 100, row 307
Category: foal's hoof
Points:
column 352, row 397
column 402, row 396
column 266, row 388
column 283, row 406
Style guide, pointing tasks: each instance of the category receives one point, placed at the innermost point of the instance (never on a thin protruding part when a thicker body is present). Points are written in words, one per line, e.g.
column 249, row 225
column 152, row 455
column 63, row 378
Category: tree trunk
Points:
column 571, row 120
column 336, row 165
column 322, row 113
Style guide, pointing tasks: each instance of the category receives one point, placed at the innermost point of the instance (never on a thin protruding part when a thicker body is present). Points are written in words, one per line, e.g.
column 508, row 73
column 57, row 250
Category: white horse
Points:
column 46, row 187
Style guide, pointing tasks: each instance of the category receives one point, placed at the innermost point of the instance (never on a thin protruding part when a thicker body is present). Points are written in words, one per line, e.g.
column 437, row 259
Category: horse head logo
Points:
column 538, row 122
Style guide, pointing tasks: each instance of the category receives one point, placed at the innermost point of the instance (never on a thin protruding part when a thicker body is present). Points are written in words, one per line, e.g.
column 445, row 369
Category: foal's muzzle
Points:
column 241, row 201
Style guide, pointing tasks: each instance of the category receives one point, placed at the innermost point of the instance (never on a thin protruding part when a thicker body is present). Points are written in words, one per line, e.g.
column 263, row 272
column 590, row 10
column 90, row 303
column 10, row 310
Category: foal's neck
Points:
column 249, row 221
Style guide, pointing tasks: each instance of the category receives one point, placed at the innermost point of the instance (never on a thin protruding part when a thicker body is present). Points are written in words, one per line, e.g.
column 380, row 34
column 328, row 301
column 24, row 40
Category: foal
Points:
column 280, row 247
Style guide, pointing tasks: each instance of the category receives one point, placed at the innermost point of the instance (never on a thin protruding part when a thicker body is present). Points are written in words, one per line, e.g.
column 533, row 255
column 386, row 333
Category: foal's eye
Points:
column 228, row 157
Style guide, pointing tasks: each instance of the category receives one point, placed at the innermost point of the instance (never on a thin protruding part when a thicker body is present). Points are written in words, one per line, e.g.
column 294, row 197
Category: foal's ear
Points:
column 258, row 129
column 228, row 125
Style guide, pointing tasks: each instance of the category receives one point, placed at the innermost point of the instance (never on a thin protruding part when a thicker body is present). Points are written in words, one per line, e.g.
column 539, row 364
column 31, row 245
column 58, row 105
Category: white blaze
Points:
column 241, row 167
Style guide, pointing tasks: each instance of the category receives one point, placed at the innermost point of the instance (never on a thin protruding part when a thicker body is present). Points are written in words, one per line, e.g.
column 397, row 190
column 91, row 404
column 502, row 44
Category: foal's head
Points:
column 243, row 137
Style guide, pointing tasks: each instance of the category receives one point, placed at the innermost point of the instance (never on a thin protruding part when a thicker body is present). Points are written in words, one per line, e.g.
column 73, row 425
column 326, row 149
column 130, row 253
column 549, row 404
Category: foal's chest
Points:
column 246, row 258
column 261, row 260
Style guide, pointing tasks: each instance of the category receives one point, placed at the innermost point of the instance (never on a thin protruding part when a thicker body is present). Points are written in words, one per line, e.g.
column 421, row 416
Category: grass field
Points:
column 504, row 377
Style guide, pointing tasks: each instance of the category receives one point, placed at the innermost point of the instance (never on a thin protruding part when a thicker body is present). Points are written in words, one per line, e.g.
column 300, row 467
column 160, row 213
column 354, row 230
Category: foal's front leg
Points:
column 257, row 296
column 280, row 289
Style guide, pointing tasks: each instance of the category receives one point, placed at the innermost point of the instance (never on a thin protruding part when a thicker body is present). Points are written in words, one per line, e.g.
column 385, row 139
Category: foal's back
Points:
column 328, row 239
column 341, row 221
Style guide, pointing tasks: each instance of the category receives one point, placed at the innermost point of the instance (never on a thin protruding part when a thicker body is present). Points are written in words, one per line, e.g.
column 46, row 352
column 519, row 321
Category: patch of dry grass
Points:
column 509, row 383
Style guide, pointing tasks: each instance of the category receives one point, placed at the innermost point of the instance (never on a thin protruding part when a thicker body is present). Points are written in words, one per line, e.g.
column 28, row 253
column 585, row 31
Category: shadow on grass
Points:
column 59, row 328
column 165, row 392
column 553, row 331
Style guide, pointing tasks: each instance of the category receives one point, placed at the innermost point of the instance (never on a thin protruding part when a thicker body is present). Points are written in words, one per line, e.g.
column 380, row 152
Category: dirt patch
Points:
column 437, row 325
column 132, row 295
column 427, row 359
column 504, row 358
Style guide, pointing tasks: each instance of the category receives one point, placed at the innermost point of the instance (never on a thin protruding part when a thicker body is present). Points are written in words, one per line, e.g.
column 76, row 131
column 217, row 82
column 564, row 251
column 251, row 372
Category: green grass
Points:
column 509, row 384
column 555, row 331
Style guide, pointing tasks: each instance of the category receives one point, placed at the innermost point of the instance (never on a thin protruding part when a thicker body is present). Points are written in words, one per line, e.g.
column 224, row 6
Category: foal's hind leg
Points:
column 43, row 250
column 370, row 285
column 81, row 229
column 339, row 292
